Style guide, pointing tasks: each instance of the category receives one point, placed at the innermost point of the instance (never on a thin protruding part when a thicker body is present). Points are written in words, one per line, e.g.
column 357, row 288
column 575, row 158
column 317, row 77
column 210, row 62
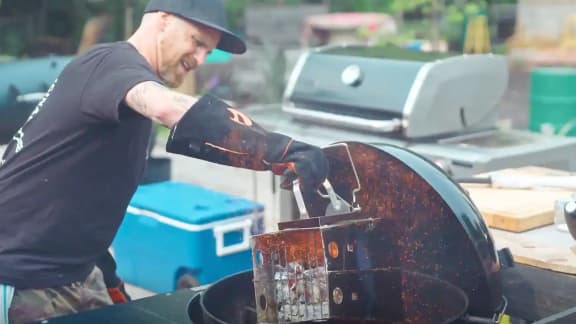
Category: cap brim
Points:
column 229, row 42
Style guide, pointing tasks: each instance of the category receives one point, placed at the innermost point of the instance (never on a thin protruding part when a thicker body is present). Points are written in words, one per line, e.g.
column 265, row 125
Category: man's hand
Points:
column 215, row 132
column 304, row 162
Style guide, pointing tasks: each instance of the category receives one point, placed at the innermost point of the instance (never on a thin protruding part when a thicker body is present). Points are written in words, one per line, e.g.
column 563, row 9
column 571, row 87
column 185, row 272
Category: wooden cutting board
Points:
column 517, row 210
column 536, row 253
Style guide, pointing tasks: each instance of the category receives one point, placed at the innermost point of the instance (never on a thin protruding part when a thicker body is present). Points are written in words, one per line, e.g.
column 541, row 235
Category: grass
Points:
column 162, row 133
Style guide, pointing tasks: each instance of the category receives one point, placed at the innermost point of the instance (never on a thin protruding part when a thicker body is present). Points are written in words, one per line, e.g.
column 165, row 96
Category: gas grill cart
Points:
column 445, row 109
column 23, row 83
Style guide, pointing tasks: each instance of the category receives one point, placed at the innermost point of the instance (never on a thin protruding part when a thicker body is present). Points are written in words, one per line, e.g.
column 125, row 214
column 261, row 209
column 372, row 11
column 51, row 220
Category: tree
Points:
column 433, row 8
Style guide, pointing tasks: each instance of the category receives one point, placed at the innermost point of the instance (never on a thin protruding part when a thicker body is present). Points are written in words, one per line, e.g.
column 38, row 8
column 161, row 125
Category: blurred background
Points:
column 277, row 29
column 530, row 32
column 40, row 27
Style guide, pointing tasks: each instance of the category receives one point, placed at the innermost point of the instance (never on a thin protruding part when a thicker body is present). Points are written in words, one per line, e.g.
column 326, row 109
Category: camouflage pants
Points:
column 37, row 304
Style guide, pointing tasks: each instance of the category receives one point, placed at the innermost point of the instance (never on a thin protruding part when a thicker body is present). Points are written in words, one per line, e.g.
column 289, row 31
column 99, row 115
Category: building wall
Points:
column 544, row 18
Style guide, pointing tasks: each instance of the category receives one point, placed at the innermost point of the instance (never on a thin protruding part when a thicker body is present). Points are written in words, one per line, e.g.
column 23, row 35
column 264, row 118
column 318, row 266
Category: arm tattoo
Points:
column 138, row 96
column 139, row 100
column 152, row 99
column 184, row 102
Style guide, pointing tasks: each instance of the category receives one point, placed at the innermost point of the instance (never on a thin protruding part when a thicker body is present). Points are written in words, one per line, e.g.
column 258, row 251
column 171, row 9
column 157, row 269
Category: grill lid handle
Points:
column 337, row 204
column 299, row 200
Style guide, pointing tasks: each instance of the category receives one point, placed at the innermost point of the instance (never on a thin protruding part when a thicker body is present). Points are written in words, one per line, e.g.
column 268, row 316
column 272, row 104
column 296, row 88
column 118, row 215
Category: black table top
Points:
column 533, row 294
column 164, row 308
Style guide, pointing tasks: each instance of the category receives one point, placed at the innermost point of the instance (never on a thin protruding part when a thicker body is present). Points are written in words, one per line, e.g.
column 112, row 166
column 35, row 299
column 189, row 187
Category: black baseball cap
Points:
column 210, row 13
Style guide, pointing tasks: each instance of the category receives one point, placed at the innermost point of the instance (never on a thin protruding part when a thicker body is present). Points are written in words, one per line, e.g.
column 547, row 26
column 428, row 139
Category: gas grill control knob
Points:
column 352, row 75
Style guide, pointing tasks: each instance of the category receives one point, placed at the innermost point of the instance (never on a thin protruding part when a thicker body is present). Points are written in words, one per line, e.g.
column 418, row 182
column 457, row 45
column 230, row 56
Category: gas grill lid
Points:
column 356, row 87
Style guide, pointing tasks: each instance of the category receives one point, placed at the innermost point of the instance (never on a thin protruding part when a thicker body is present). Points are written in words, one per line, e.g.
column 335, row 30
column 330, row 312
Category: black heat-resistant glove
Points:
column 212, row 131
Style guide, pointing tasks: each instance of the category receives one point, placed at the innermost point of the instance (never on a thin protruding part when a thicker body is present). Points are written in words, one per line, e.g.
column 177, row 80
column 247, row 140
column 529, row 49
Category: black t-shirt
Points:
column 68, row 175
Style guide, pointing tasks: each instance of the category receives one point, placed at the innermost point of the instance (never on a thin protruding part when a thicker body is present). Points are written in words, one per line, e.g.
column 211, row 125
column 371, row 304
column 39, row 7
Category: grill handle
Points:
column 373, row 125
column 299, row 200
column 337, row 204
column 30, row 98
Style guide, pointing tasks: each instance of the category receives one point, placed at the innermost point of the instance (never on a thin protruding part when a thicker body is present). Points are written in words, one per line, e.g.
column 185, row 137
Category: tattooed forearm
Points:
column 182, row 101
column 159, row 103
column 138, row 98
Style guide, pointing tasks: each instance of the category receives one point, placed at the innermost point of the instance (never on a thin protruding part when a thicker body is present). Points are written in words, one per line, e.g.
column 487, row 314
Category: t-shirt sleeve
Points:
column 109, row 82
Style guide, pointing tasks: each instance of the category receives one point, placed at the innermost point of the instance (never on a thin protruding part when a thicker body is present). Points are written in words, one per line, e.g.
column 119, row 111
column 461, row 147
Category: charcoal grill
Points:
column 407, row 244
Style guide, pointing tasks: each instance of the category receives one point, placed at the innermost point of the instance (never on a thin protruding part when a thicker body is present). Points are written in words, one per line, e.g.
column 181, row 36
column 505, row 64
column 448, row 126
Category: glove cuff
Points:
column 187, row 137
column 212, row 131
column 277, row 148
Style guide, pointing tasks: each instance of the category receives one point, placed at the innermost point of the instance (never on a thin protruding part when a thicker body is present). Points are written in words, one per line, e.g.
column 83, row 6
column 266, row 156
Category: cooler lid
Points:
column 190, row 203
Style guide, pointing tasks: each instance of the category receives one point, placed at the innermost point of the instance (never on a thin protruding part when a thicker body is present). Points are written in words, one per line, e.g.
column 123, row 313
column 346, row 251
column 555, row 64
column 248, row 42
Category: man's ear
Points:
column 163, row 20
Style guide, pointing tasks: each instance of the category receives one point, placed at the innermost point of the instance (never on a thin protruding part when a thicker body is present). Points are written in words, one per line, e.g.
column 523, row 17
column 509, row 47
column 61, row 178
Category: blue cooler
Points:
column 178, row 235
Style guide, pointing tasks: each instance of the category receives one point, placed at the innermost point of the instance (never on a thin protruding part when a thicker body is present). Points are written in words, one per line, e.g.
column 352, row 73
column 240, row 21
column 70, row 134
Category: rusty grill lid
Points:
column 410, row 216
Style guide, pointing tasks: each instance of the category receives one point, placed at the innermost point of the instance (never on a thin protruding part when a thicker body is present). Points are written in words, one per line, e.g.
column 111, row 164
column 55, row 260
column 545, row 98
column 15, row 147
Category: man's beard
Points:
column 168, row 73
column 171, row 79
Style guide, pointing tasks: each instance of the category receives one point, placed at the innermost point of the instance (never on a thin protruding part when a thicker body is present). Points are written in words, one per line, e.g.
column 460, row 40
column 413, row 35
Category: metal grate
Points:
column 291, row 280
column 301, row 289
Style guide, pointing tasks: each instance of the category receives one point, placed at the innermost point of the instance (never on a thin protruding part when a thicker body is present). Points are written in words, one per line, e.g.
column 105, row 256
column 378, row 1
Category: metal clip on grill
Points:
column 337, row 204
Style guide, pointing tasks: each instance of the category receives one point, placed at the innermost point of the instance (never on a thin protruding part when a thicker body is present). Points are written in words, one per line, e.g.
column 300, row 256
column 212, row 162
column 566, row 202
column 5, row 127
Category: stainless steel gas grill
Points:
column 443, row 108
column 411, row 99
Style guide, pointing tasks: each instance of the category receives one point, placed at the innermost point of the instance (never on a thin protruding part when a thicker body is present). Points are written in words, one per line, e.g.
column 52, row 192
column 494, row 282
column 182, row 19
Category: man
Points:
column 69, row 173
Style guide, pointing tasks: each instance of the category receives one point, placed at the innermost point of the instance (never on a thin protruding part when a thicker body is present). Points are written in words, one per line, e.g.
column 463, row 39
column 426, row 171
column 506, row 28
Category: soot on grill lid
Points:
column 412, row 218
